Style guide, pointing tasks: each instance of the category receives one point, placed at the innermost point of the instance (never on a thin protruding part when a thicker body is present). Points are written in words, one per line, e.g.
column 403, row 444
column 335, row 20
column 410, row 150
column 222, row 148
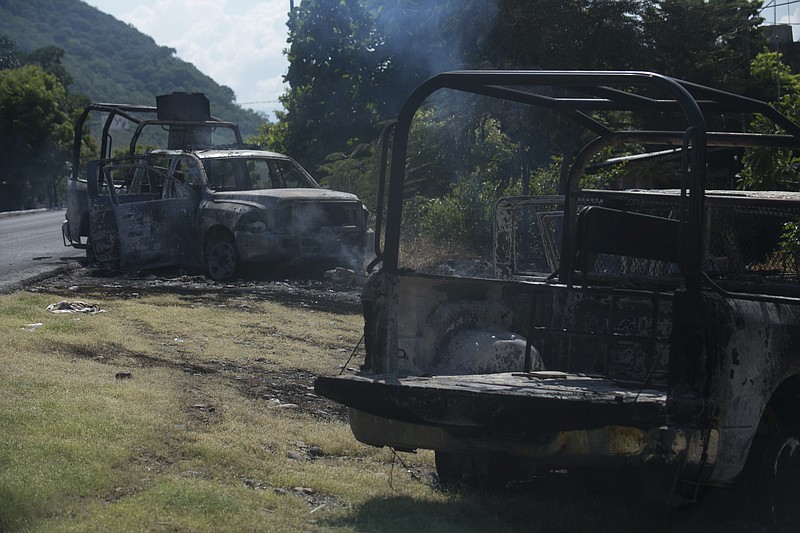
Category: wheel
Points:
column 774, row 479
column 221, row 260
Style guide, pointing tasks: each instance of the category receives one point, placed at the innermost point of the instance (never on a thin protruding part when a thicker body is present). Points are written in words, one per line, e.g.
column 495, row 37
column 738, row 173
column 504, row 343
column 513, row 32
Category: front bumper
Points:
column 343, row 244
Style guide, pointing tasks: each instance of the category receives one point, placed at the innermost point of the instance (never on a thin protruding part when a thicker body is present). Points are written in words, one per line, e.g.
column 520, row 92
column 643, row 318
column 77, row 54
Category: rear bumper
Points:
column 560, row 421
column 65, row 235
column 693, row 450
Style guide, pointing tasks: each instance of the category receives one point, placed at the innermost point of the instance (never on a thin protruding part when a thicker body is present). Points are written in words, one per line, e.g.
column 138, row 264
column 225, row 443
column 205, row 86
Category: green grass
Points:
column 83, row 451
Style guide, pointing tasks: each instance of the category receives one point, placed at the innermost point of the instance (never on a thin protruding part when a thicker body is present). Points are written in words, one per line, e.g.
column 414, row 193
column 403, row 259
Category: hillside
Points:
column 112, row 61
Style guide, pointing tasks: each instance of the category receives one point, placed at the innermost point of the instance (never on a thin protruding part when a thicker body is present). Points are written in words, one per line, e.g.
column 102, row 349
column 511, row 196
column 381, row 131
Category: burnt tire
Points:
column 221, row 258
column 773, row 480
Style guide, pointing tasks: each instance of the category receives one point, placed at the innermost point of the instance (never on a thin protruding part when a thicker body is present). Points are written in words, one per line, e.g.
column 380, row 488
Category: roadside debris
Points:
column 65, row 306
column 345, row 277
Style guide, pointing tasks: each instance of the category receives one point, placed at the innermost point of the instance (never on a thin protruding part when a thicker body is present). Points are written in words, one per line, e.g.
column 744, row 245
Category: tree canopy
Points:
column 352, row 62
column 37, row 117
column 35, row 123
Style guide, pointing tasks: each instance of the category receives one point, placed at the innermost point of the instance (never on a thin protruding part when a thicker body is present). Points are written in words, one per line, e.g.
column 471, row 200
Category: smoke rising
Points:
column 422, row 38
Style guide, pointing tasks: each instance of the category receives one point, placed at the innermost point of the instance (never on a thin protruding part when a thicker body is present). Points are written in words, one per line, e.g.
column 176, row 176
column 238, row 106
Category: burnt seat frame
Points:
column 602, row 230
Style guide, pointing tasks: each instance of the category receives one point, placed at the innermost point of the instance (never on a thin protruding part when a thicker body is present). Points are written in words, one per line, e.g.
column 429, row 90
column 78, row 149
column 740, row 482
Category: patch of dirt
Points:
column 338, row 295
column 289, row 390
column 315, row 500
column 292, row 390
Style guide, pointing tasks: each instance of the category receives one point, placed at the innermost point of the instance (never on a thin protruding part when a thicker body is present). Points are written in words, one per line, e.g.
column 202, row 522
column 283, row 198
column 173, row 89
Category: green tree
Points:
column 705, row 41
column 35, row 122
column 271, row 135
column 355, row 172
column 331, row 70
column 111, row 61
column 770, row 169
column 352, row 63
column 771, row 78
column 576, row 34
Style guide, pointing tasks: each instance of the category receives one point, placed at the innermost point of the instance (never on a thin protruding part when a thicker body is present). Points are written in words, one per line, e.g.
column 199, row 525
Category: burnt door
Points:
column 157, row 217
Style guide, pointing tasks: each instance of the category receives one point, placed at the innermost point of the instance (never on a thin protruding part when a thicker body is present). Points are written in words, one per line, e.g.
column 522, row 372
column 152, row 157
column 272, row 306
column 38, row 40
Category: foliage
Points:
column 577, row 34
column 35, row 121
column 354, row 70
column 355, row 172
column 464, row 216
column 705, row 41
column 270, row 135
column 352, row 62
column 771, row 78
column 50, row 58
column 455, row 185
column 789, row 246
column 771, row 169
column 331, row 73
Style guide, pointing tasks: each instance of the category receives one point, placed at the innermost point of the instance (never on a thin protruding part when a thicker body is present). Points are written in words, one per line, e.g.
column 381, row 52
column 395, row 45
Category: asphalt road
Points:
column 31, row 246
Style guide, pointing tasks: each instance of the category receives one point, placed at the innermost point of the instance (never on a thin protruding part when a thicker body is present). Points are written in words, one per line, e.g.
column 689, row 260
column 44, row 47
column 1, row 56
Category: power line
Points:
column 773, row 5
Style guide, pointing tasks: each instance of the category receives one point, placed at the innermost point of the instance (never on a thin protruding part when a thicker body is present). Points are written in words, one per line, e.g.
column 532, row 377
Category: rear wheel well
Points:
column 783, row 409
column 771, row 478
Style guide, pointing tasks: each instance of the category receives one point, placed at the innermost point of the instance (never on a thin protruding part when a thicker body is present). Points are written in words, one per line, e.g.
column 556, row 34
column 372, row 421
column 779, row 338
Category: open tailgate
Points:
column 504, row 402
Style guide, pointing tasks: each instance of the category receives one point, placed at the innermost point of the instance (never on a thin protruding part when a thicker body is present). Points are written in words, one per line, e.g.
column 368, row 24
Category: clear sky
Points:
column 238, row 43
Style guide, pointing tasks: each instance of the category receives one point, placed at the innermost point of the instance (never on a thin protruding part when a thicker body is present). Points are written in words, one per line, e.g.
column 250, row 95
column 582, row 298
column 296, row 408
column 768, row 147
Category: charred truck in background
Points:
column 657, row 329
column 195, row 203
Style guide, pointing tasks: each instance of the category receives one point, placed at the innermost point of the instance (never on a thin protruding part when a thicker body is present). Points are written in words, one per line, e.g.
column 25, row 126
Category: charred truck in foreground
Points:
column 196, row 203
column 652, row 329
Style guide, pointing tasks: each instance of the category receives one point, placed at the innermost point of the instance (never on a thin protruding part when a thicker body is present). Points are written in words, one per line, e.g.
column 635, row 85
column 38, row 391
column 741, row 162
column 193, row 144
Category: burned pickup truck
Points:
column 648, row 329
column 197, row 204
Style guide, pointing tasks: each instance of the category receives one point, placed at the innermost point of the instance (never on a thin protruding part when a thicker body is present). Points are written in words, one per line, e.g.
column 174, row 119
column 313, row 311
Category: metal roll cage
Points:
column 576, row 94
